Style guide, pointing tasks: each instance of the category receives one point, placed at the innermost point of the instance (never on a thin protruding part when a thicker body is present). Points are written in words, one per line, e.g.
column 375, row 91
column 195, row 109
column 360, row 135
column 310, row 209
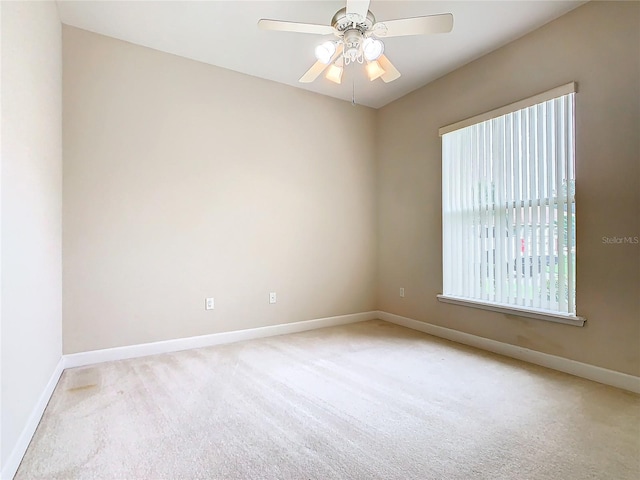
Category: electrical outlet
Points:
column 209, row 304
column 272, row 297
column 402, row 292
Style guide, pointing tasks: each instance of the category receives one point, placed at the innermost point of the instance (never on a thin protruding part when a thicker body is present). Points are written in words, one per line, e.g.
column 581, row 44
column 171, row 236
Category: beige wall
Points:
column 31, row 199
column 597, row 45
column 184, row 181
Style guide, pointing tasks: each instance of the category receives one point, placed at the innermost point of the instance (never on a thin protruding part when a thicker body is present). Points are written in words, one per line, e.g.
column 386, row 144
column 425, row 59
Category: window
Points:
column 508, row 209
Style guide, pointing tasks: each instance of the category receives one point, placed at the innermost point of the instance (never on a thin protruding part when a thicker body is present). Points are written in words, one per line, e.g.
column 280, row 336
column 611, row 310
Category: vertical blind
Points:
column 508, row 186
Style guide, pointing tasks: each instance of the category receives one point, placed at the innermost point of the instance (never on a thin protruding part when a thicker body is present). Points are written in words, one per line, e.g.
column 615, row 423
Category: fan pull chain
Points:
column 353, row 93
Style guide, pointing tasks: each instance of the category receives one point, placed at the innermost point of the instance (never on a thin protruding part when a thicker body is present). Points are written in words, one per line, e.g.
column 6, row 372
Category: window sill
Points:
column 513, row 310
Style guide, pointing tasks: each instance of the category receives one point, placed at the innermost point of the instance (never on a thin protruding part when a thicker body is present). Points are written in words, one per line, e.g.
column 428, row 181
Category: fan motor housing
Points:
column 342, row 21
column 352, row 37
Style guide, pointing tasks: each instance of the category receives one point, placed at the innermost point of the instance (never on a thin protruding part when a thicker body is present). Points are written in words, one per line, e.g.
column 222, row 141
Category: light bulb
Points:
column 372, row 49
column 325, row 51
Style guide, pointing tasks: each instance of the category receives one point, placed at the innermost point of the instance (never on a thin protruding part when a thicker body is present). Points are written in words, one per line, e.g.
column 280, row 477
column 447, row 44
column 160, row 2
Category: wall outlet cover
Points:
column 209, row 304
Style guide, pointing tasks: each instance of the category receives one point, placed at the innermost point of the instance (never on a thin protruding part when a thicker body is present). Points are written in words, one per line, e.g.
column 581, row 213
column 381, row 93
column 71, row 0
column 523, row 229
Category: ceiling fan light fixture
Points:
column 372, row 49
column 325, row 51
column 357, row 39
column 334, row 73
column 374, row 70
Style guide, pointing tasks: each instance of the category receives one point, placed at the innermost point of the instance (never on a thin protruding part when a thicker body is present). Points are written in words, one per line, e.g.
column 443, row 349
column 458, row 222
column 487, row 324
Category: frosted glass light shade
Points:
column 374, row 70
column 372, row 48
column 334, row 73
column 325, row 51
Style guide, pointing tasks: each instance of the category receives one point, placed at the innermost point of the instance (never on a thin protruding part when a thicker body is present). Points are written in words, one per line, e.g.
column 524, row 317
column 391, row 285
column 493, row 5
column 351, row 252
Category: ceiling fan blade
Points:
column 391, row 72
column 319, row 67
column 282, row 26
column 414, row 26
column 358, row 7
column 313, row 73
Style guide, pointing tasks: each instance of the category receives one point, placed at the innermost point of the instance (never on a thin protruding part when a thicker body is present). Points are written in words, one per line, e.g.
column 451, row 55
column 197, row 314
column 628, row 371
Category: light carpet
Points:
column 369, row 400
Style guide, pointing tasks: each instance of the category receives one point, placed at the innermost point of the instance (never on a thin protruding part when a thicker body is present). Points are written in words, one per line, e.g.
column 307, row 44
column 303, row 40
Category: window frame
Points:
column 506, row 308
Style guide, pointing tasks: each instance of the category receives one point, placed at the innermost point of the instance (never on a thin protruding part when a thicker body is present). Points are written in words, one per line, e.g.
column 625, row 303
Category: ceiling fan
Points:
column 358, row 40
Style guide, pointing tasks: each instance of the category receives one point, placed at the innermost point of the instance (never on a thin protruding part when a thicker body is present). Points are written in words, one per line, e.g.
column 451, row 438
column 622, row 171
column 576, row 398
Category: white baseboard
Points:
column 142, row 350
column 584, row 370
column 591, row 372
column 10, row 468
column 120, row 353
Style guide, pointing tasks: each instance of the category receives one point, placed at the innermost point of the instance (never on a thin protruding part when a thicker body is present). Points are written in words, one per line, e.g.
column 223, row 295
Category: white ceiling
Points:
column 224, row 33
